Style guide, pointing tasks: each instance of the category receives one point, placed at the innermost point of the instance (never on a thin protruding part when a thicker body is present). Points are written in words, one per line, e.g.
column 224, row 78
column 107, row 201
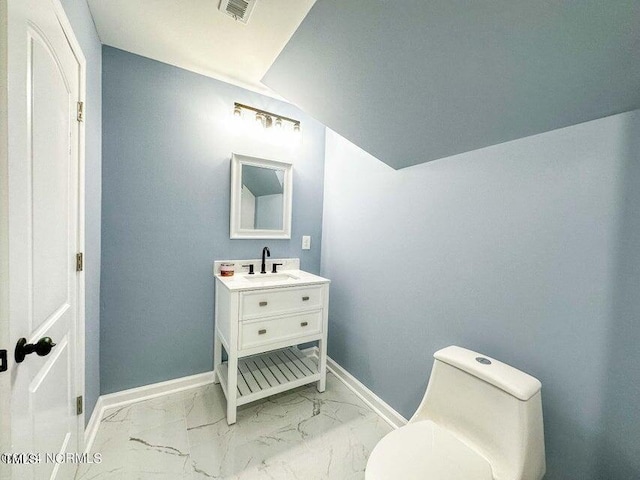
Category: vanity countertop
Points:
column 285, row 278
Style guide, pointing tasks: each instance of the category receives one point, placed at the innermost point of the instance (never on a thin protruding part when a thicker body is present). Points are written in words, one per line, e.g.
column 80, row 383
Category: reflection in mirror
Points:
column 262, row 195
column 260, row 198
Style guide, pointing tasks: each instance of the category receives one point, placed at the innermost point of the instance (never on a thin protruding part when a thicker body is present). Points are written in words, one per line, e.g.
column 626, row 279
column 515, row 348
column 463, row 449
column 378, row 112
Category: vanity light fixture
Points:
column 259, row 120
column 267, row 119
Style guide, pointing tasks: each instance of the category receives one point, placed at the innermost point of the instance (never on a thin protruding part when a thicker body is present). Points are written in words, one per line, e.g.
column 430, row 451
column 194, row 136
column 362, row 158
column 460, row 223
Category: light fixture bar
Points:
column 242, row 106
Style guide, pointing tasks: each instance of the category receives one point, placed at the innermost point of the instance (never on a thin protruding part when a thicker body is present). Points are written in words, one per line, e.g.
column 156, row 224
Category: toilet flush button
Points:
column 484, row 361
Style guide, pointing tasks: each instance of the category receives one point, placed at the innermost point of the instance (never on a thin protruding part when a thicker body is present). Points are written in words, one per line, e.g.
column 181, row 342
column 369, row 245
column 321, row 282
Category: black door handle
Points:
column 42, row 348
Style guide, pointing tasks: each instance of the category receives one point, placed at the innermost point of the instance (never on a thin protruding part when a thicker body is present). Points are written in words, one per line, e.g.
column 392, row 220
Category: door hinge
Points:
column 79, row 403
column 80, row 111
column 79, row 262
column 4, row 366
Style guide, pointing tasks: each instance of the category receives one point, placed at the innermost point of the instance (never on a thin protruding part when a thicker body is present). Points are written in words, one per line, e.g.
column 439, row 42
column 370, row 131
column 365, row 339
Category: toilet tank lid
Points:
column 513, row 381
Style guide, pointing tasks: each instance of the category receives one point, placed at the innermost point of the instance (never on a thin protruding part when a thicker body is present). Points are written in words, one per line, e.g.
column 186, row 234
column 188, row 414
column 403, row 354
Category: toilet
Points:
column 480, row 419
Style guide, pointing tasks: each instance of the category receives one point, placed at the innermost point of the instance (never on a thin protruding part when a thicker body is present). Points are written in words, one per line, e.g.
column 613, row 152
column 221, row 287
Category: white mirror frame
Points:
column 237, row 161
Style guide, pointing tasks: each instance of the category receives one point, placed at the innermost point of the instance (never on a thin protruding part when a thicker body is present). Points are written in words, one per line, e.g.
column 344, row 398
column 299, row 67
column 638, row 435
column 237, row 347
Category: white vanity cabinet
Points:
column 260, row 323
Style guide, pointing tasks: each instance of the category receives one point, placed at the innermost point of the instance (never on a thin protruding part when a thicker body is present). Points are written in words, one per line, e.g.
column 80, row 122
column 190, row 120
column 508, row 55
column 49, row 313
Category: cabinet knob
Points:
column 262, row 331
column 263, row 304
column 304, row 299
column 304, row 324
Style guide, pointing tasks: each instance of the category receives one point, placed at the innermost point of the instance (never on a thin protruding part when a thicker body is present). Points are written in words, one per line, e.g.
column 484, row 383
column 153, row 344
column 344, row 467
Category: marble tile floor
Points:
column 300, row 435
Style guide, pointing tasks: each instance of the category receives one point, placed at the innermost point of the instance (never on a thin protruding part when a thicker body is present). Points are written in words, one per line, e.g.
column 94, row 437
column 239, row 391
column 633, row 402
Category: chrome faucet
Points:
column 266, row 251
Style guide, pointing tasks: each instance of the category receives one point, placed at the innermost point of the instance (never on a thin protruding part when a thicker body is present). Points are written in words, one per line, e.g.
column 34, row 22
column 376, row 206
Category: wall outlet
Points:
column 306, row 242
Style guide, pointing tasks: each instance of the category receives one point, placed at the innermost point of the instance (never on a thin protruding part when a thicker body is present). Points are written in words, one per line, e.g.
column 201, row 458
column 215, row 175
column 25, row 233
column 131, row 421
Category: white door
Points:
column 43, row 220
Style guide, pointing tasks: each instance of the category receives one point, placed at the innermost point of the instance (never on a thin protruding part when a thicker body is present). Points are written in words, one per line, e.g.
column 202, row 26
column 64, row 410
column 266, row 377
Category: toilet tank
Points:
column 494, row 408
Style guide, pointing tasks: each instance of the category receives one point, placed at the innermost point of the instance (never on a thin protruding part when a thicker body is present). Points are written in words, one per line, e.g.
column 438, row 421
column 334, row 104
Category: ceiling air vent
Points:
column 238, row 9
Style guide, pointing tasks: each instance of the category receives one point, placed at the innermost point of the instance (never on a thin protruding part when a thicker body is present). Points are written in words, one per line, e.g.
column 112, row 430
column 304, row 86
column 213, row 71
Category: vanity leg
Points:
column 217, row 356
column 322, row 383
column 232, row 389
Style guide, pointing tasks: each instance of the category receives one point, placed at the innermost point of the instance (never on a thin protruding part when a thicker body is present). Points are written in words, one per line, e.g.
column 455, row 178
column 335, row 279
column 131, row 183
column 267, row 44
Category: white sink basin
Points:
column 269, row 277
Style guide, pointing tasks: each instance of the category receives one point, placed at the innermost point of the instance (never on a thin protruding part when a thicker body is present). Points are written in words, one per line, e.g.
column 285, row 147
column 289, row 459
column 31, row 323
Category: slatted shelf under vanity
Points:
column 272, row 372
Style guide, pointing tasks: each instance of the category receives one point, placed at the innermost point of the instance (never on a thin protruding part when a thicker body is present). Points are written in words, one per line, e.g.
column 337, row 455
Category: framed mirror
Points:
column 260, row 198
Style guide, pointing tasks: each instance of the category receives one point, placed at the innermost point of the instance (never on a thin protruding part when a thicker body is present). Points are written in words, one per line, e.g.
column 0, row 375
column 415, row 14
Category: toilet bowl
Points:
column 480, row 419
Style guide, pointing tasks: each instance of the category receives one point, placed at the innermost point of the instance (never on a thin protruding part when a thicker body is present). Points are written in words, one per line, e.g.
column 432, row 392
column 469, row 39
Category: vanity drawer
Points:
column 274, row 302
column 263, row 332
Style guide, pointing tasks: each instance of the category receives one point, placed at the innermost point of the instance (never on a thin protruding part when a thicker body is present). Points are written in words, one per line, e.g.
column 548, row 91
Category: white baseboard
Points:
column 133, row 395
column 382, row 408
column 91, row 429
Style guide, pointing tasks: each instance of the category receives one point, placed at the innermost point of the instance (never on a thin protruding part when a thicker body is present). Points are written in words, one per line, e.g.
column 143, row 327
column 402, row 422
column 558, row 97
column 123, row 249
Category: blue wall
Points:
column 84, row 29
column 526, row 251
column 620, row 446
column 439, row 77
column 165, row 212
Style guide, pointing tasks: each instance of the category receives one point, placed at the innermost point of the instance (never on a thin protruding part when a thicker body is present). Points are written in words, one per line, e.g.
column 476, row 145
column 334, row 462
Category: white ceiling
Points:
column 196, row 36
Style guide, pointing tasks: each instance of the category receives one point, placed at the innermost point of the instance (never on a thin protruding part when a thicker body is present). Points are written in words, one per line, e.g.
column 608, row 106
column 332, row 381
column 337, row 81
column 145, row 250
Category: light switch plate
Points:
column 306, row 242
